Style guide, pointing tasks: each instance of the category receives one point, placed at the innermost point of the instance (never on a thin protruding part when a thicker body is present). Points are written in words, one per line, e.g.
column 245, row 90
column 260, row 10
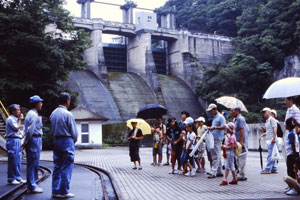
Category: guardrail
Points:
column 3, row 110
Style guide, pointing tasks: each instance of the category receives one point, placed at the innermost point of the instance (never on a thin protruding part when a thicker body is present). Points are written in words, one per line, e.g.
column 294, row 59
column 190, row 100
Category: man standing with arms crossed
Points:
column 218, row 131
column 33, row 142
column 65, row 134
column 241, row 134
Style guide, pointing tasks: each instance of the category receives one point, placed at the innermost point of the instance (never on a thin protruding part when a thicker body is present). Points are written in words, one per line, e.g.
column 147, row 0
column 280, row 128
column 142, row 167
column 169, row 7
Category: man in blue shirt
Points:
column 63, row 128
column 13, row 144
column 241, row 134
column 218, row 131
column 33, row 142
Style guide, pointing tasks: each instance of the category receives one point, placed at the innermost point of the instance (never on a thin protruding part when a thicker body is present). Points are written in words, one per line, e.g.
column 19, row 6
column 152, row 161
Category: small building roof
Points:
column 83, row 114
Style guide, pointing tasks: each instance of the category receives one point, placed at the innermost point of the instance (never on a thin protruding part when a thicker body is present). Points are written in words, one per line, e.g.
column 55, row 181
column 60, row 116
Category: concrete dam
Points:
column 148, row 64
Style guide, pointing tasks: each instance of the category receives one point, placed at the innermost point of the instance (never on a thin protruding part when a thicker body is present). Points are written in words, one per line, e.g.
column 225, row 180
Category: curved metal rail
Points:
column 110, row 188
column 21, row 189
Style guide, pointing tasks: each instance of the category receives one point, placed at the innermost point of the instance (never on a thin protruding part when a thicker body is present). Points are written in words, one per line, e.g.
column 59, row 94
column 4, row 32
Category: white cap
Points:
column 200, row 119
column 188, row 120
column 211, row 106
column 274, row 112
column 266, row 109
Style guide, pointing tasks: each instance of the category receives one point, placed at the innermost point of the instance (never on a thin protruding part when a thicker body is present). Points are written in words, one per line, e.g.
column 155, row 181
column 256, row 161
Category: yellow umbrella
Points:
column 141, row 124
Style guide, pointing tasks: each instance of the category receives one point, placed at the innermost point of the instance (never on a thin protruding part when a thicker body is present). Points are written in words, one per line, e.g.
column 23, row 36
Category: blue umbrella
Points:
column 152, row 111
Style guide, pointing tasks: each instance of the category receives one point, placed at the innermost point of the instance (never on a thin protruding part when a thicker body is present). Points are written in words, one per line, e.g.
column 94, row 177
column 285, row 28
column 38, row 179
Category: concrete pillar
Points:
column 85, row 8
column 94, row 56
column 127, row 9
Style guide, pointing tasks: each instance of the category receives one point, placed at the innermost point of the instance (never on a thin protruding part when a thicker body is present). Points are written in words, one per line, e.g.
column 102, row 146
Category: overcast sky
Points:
column 111, row 13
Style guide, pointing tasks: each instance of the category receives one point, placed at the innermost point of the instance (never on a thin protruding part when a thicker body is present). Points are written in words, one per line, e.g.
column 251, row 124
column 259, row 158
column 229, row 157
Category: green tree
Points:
column 33, row 61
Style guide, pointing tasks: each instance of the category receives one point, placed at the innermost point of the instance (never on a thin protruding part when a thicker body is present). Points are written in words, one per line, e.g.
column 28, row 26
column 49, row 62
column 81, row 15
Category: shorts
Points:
column 200, row 152
column 157, row 150
column 229, row 161
column 186, row 157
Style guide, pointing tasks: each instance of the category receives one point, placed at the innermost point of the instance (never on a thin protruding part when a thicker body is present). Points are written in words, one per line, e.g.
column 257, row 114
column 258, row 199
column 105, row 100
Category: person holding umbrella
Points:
column 135, row 135
column 271, row 137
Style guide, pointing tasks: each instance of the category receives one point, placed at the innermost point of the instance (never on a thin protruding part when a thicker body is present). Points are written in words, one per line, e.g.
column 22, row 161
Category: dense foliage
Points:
column 32, row 60
column 264, row 32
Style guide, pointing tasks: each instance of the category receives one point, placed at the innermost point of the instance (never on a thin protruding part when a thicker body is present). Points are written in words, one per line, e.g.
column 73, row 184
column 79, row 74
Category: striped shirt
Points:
column 293, row 112
column 270, row 125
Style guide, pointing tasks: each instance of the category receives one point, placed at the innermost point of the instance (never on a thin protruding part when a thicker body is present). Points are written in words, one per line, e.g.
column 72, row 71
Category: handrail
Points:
column 4, row 111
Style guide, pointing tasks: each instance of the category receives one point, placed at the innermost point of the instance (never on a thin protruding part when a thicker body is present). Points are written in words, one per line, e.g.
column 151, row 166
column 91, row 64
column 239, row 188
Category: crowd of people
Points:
column 230, row 137
column 63, row 128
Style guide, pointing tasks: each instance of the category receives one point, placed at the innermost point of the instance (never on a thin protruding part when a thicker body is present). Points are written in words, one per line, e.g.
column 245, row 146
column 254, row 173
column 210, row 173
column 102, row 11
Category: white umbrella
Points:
column 283, row 88
column 231, row 102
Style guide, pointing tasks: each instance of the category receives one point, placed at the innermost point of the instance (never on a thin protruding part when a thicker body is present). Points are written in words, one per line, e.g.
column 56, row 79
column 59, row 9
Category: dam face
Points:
column 154, row 64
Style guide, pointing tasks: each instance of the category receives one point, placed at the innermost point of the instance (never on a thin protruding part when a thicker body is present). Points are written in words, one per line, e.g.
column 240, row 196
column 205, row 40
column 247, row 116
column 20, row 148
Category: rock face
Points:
column 291, row 67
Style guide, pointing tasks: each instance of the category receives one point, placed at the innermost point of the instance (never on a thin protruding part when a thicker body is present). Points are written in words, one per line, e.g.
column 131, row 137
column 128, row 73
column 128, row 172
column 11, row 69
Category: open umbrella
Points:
column 283, row 88
column 260, row 153
column 231, row 102
column 152, row 111
column 141, row 124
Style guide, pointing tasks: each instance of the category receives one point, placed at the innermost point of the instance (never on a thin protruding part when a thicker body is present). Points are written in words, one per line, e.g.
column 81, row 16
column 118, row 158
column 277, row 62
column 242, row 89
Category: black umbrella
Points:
column 152, row 111
column 261, row 159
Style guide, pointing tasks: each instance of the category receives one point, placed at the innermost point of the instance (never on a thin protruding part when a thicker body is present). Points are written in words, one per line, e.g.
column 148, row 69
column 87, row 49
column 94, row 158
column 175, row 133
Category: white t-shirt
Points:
column 291, row 138
column 190, row 138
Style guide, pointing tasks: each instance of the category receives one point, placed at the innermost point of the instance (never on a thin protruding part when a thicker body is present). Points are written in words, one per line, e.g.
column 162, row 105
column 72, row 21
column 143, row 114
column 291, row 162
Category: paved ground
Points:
column 156, row 183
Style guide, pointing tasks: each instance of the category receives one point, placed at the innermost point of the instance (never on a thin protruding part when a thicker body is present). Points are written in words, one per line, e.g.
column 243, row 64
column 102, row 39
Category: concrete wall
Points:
column 255, row 132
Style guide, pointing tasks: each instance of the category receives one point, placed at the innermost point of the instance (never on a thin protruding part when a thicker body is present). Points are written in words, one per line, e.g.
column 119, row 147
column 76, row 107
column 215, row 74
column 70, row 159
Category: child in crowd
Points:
column 190, row 144
column 157, row 145
column 294, row 183
column 292, row 152
column 199, row 155
column 230, row 153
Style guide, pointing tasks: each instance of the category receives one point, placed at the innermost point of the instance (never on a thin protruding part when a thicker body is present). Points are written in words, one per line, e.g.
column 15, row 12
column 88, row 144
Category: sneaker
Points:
column 140, row 168
column 57, row 196
column 274, row 172
column 188, row 174
column 265, row 172
column 292, row 192
column 22, row 181
column 69, row 195
column 166, row 164
column 242, row 178
column 224, row 183
column 37, row 190
column 193, row 172
column 233, row 182
column 176, row 171
column 171, row 171
column 211, row 176
column 134, row 168
column 202, row 170
column 158, row 164
column 198, row 170
column 286, row 189
column 208, row 173
column 154, row 164
column 220, row 175
column 14, row 182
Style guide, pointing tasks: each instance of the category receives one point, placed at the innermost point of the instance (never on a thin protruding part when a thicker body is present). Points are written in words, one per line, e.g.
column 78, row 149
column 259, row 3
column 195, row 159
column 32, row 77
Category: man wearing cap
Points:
column 13, row 145
column 63, row 128
column 271, row 137
column 33, row 142
column 218, row 131
column 241, row 134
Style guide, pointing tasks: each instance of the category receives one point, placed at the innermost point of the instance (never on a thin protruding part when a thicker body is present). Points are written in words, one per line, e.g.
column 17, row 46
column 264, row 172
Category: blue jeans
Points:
column 14, row 151
column 63, row 157
column 33, row 151
column 271, row 165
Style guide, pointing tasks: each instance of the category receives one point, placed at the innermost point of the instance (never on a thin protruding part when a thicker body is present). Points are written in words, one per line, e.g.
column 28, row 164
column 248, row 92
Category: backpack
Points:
column 279, row 131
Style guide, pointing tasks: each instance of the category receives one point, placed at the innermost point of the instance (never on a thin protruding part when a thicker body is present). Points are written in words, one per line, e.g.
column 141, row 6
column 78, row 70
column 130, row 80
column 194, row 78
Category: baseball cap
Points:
column 188, row 120
column 274, row 112
column 266, row 109
column 35, row 99
column 200, row 119
column 211, row 106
